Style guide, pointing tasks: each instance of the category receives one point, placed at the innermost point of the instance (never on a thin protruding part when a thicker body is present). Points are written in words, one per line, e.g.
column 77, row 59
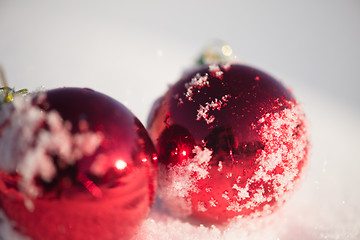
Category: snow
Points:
column 159, row 226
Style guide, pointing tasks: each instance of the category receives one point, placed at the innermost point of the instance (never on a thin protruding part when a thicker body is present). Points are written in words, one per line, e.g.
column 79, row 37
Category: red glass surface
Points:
column 77, row 203
column 232, row 141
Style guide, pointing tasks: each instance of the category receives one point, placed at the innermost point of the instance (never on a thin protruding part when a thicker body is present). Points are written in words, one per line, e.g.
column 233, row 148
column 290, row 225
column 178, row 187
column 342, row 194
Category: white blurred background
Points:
column 132, row 51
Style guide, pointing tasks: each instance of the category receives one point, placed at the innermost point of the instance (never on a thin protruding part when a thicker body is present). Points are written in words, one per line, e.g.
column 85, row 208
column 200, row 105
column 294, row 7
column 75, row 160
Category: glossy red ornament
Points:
column 86, row 169
column 232, row 141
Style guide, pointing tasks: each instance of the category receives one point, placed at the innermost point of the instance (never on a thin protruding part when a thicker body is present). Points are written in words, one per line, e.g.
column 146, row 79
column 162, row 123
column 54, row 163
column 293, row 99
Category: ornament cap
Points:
column 7, row 94
column 215, row 53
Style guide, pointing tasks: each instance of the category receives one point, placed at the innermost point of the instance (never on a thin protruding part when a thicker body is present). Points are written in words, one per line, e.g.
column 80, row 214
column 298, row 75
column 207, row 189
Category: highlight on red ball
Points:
column 232, row 142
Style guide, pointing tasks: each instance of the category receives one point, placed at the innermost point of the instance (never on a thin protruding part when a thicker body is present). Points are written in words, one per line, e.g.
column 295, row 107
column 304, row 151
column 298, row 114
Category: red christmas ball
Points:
column 76, row 164
column 232, row 141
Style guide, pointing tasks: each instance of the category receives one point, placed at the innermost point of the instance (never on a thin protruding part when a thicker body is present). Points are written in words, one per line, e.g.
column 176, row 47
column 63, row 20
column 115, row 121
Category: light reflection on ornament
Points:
column 120, row 164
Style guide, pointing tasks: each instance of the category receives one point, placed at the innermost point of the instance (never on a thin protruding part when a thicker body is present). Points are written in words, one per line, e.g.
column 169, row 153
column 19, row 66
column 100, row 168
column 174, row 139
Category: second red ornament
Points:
column 232, row 141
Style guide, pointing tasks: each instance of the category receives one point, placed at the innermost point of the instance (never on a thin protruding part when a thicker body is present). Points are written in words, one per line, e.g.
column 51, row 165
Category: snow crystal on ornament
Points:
column 26, row 149
column 226, row 66
column 278, row 163
column 181, row 180
column 196, row 83
column 203, row 112
column 215, row 71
